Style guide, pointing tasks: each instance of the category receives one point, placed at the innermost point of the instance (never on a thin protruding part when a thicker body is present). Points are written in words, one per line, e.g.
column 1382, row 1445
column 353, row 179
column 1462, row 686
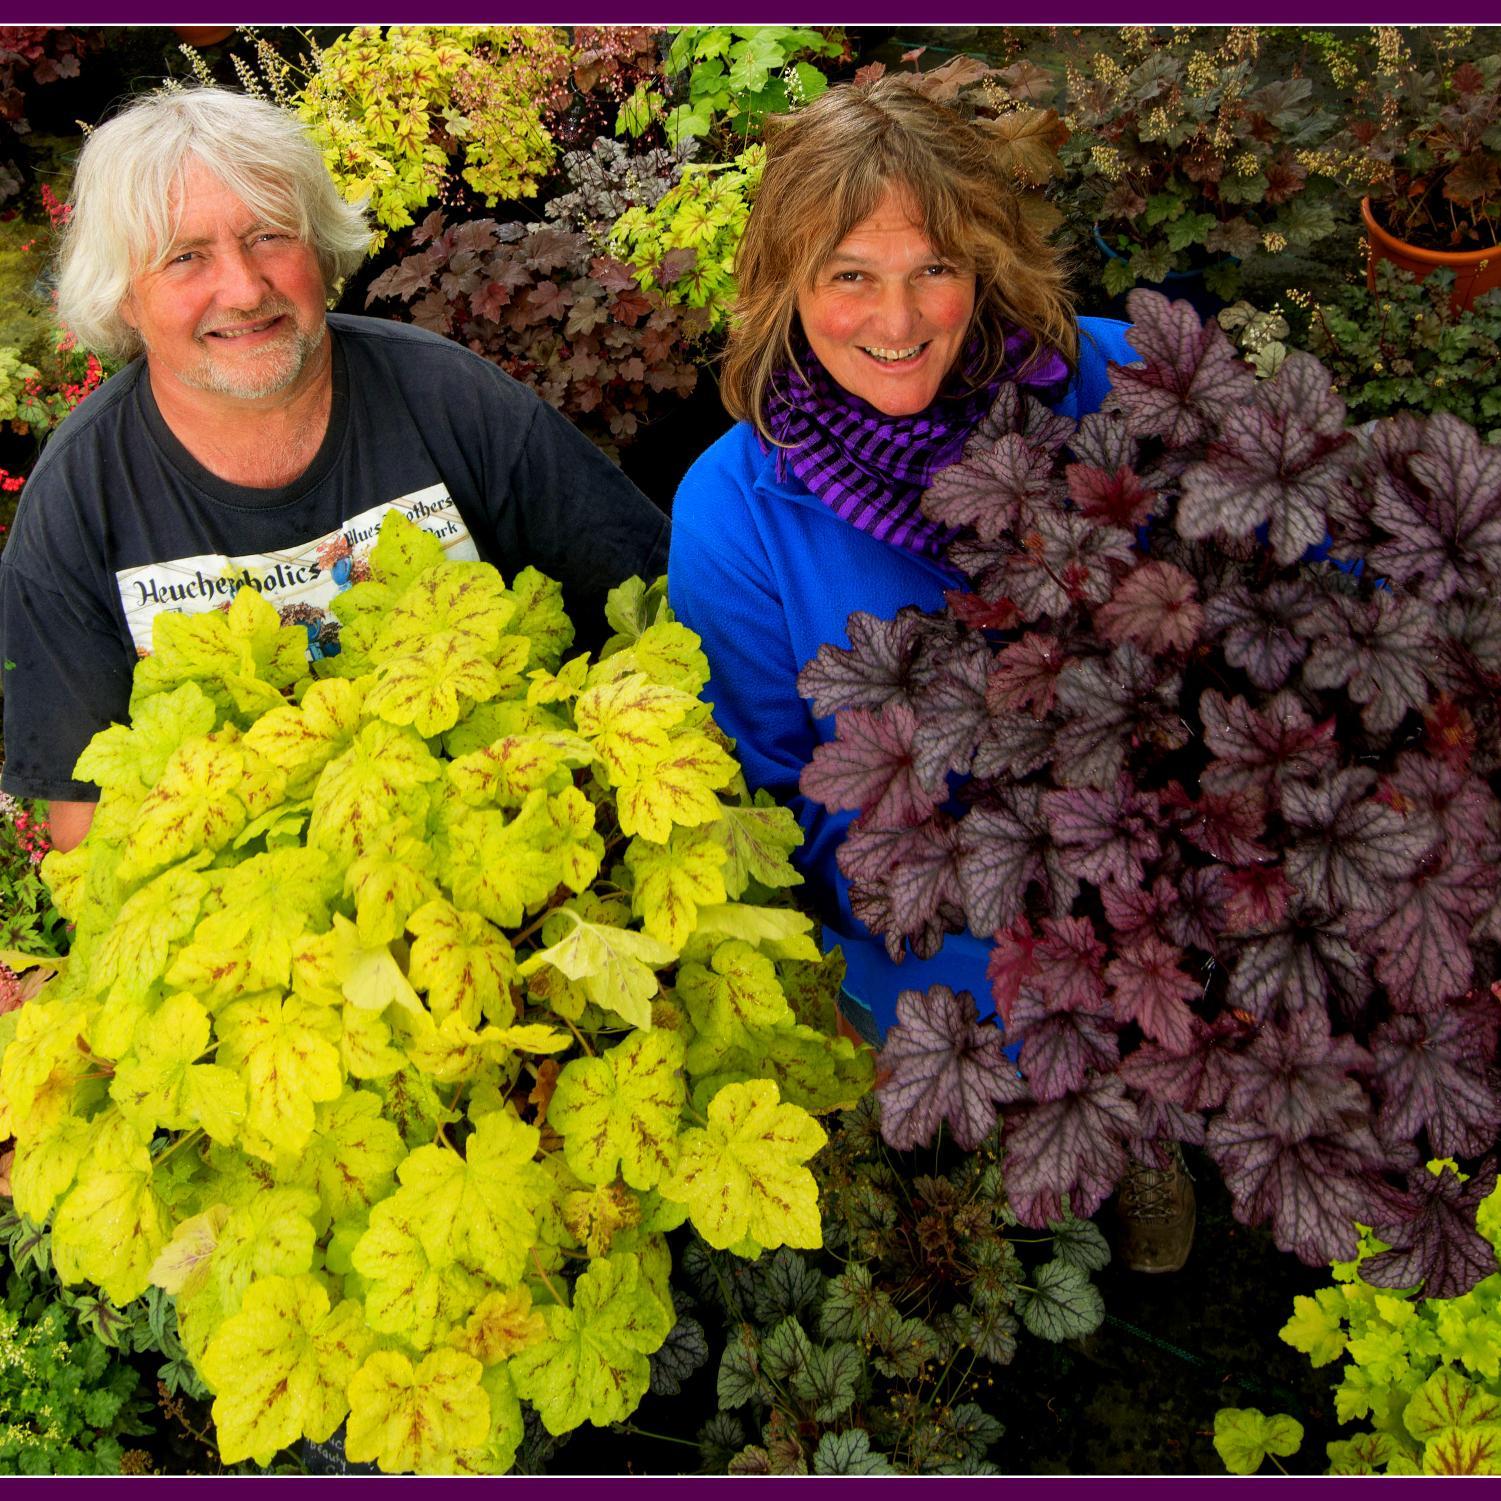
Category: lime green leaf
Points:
column 431, row 685
column 402, row 551
column 136, row 949
column 508, row 769
column 621, row 1112
column 137, row 756
column 380, row 778
column 1447, row 1400
column 627, row 722
column 502, row 1324
column 779, row 931
column 185, row 1261
column 615, row 965
column 739, row 990
column 1243, row 1437
column 301, row 740
column 280, row 1366
column 165, row 1085
column 758, row 839
column 1315, row 1329
column 463, row 963
column 269, row 1235
column 673, row 785
column 464, row 601
column 672, row 881
column 743, row 1176
column 389, row 884
column 352, row 1158
column 540, row 617
column 593, row 1366
column 408, row 1418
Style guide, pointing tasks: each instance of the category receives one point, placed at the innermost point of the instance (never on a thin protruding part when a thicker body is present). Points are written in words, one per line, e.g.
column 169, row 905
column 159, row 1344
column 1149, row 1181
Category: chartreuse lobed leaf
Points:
column 1243, row 1437
column 360, row 1049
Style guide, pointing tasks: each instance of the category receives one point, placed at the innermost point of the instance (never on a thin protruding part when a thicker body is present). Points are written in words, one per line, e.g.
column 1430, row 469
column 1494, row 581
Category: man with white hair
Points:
column 254, row 437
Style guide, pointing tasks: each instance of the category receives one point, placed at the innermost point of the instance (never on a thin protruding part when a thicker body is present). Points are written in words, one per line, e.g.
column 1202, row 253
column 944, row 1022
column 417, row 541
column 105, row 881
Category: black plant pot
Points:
column 1179, row 286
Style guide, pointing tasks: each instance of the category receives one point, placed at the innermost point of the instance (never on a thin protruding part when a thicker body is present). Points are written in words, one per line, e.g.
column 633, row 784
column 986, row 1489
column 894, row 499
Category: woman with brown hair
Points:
column 888, row 284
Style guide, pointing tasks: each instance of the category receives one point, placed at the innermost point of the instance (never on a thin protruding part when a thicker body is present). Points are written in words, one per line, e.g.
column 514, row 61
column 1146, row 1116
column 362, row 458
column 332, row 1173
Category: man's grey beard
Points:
column 282, row 365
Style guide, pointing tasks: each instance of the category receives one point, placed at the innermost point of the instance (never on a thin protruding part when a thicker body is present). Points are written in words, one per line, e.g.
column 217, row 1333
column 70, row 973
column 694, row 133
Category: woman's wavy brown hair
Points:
column 827, row 167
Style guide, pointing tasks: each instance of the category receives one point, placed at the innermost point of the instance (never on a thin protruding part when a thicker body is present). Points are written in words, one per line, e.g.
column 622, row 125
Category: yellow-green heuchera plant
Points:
column 410, row 1005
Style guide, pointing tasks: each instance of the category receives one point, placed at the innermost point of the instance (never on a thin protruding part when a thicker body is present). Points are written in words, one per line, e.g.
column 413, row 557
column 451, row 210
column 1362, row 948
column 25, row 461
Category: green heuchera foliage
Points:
column 879, row 1355
column 410, row 1006
column 685, row 244
column 1423, row 1375
column 66, row 1400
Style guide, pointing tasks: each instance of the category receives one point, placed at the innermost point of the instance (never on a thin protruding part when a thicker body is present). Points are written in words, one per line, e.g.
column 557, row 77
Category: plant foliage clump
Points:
column 1229, row 812
column 550, row 309
column 410, row 1006
column 879, row 1356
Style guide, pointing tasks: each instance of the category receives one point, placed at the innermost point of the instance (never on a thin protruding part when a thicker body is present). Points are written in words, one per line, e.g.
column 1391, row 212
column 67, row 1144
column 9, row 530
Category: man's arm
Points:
column 67, row 823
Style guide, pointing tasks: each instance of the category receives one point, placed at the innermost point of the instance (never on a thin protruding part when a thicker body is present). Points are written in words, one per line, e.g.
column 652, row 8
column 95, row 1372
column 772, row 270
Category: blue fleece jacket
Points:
column 766, row 574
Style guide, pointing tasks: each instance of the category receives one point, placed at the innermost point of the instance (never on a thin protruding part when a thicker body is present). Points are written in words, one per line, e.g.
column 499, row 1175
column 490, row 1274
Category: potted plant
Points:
column 1422, row 142
column 1229, row 812
column 1187, row 152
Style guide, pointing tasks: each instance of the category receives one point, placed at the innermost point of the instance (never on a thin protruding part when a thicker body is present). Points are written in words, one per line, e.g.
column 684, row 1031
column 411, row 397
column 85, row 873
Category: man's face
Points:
column 237, row 307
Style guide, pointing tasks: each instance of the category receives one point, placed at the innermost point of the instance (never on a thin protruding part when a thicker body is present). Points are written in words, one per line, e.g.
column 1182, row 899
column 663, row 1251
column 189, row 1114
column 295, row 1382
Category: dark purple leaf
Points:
column 1260, row 747
column 1434, row 1074
column 1378, row 650
column 1148, row 988
column 1353, row 848
column 1298, row 966
column 1138, row 912
column 1226, row 825
column 1198, row 917
column 1011, row 964
column 874, row 671
column 1107, row 706
column 1013, row 746
column 1154, row 608
column 1190, row 377
column 1116, row 497
column 1431, row 1229
column 1068, row 958
column 940, row 1064
column 1281, row 459
column 1195, row 1079
column 1104, row 835
column 1256, row 897
column 1102, row 442
column 1004, row 845
column 1443, row 516
column 1258, row 629
column 1064, row 558
column 1073, row 1146
column 1464, row 811
column 869, row 767
column 995, row 490
column 1295, row 1079
column 1059, row 1048
column 927, row 877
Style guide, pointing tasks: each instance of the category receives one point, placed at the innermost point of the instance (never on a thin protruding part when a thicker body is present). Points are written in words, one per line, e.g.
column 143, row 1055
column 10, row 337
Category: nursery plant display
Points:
column 1187, row 154
column 1230, row 807
column 363, row 1050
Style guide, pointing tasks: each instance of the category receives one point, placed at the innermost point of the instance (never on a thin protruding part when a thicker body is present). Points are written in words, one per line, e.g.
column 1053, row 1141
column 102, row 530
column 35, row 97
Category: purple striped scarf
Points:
column 871, row 469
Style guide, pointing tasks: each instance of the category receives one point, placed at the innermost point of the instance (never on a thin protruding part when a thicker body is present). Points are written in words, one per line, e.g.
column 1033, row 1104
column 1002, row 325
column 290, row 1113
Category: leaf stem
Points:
column 557, row 1297
column 666, row 1438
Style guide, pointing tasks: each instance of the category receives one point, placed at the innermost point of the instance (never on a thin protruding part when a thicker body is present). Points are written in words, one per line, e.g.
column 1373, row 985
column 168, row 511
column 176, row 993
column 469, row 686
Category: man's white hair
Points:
column 126, row 207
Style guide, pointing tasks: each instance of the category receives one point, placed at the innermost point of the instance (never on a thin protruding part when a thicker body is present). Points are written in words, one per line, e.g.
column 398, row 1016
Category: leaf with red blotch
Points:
column 1302, row 964
column 940, row 1064
column 1137, row 912
column 1065, row 558
column 1105, row 835
column 1258, row 630
column 1107, row 705
column 1421, row 934
column 1025, row 675
column 1073, row 1146
column 1059, row 1048
column 1190, row 375
column 951, row 712
column 1432, row 1074
column 1260, row 747
column 675, row 265
column 1155, row 608
column 1353, row 848
column 1256, row 897
column 869, row 767
column 1378, row 650
column 1463, row 809
column 874, row 671
column 1227, row 825
column 981, row 614
column 1069, row 956
column 1282, row 459
column 1296, row 1079
column 1115, row 496
column 1311, row 1192
column 1431, row 1229
column 1442, row 513
column 1103, row 442
column 1010, row 964
column 993, row 491
column 1148, row 988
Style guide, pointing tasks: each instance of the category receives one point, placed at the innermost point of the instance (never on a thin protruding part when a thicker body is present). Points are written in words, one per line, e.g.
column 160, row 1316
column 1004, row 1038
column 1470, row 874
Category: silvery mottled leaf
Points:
column 1378, row 650
column 1105, row 835
column 1065, row 558
column 990, row 490
column 849, row 1453
column 1108, row 705
column 786, row 1284
column 1257, row 629
column 1080, row 1243
column 1258, row 747
column 1433, row 1236
column 874, row 671
column 855, row 1309
column 1058, row 1048
column 1147, row 987
column 684, row 1352
column 1025, row 674
column 953, row 716
column 1155, row 608
column 1103, row 443
column 831, row 1381
column 1060, row 1302
column 1297, row 1079
column 740, row 1378
column 1297, row 966
column 869, row 767
column 1431, row 1075
column 1001, row 849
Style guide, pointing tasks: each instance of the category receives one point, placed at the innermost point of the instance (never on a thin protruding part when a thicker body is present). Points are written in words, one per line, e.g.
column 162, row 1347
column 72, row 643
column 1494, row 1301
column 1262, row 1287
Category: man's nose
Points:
column 241, row 283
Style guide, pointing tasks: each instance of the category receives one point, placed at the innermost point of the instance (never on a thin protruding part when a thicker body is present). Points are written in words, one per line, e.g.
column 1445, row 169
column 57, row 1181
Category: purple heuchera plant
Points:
column 1230, row 814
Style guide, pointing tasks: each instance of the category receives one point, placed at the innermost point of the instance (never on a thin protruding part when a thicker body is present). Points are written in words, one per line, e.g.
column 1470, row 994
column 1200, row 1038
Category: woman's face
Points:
column 885, row 314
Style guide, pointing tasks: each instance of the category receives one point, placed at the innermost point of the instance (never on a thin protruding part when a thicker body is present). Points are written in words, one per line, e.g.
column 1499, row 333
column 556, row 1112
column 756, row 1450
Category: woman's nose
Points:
column 898, row 316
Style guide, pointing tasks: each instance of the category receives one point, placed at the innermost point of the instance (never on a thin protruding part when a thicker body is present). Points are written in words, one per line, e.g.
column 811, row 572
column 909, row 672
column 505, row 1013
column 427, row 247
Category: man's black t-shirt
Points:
column 119, row 522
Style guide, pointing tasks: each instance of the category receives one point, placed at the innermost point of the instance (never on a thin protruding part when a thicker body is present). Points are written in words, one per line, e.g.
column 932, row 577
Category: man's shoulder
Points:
column 403, row 342
column 98, row 418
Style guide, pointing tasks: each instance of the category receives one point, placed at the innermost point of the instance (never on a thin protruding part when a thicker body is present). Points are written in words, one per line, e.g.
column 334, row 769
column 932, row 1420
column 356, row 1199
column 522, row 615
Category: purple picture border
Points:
column 679, row 12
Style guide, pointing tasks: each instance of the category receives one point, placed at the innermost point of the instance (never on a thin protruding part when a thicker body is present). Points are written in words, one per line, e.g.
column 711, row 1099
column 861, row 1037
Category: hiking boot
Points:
column 1155, row 1213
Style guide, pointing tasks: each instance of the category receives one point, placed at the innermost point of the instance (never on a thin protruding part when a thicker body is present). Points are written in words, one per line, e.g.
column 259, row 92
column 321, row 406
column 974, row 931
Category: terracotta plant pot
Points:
column 1475, row 271
column 203, row 36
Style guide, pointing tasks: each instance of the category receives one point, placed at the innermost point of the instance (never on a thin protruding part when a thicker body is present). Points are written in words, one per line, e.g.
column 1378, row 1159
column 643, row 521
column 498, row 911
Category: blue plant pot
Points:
column 1181, row 286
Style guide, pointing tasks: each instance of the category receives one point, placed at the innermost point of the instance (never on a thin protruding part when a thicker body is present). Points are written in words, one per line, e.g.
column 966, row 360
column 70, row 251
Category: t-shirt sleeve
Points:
column 582, row 521
column 67, row 675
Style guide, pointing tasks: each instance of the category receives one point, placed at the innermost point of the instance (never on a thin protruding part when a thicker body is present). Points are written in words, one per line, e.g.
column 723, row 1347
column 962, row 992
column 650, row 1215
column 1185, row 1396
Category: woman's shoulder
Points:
column 728, row 467
column 1102, row 339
